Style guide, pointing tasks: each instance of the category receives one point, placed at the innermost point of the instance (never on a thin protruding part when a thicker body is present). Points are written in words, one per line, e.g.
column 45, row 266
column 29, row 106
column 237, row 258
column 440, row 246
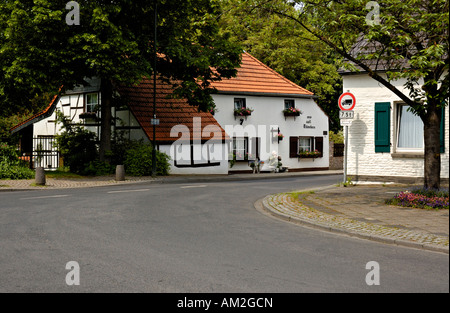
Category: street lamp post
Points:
column 154, row 93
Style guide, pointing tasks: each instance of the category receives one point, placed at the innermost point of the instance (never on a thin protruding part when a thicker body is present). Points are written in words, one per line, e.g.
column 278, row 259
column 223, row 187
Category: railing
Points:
column 44, row 153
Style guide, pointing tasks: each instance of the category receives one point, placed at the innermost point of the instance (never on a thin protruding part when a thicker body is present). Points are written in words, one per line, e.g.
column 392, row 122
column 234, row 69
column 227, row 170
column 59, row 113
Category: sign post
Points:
column 347, row 102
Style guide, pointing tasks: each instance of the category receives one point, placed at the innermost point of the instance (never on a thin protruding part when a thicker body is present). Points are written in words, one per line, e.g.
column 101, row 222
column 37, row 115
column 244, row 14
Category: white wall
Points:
column 218, row 153
column 362, row 159
column 73, row 105
column 268, row 115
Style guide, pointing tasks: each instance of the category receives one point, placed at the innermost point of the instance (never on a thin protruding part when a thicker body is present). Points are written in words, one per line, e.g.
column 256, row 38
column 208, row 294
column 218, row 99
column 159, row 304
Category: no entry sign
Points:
column 347, row 101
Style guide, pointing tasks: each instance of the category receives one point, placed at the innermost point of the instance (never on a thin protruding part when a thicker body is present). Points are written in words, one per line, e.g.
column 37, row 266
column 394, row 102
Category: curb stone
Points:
column 282, row 207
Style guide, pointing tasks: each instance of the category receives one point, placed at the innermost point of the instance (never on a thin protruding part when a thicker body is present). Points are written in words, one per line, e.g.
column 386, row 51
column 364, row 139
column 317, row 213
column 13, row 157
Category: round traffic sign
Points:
column 347, row 101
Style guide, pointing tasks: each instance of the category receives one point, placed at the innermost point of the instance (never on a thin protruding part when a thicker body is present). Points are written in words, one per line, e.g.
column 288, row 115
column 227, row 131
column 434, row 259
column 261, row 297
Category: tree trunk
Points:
column 432, row 164
column 106, row 118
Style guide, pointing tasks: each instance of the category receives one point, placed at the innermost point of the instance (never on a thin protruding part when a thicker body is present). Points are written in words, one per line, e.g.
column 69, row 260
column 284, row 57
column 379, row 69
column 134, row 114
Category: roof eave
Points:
column 37, row 118
column 266, row 94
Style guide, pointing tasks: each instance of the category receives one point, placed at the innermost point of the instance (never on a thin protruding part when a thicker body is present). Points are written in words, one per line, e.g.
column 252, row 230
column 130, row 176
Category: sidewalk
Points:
column 360, row 211
column 62, row 183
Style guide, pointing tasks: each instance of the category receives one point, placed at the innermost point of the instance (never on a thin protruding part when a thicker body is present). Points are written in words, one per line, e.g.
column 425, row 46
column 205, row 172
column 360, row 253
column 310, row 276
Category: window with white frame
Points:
column 240, row 147
column 92, row 102
column 305, row 144
column 409, row 130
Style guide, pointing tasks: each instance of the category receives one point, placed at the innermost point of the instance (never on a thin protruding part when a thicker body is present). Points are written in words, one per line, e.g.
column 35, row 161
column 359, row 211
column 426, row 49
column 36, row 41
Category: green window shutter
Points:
column 442, row 135
column 383, row 127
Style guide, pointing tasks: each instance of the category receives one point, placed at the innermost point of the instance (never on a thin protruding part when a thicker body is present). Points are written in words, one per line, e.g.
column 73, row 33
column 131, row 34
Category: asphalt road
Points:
column 196, row 238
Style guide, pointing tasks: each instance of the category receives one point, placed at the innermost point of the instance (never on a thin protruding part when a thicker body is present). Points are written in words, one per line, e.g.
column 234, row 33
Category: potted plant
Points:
column 213, row 111
column 243, row 112
column 280, row 137
column 88, row 115
column 309, row 154
column 292, row 111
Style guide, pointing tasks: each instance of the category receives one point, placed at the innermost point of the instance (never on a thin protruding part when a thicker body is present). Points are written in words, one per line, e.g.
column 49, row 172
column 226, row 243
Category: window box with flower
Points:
column 307, row 154
column 89, row 116
column 243, row 112
column 292, row 111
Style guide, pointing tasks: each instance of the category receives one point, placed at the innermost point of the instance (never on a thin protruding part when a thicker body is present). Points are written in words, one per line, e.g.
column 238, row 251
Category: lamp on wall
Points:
column 241, row 121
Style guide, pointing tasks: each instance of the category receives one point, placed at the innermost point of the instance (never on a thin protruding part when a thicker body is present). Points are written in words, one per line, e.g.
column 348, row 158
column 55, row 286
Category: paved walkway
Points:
column 61, row 183
column 360, row 211
column 357, row 211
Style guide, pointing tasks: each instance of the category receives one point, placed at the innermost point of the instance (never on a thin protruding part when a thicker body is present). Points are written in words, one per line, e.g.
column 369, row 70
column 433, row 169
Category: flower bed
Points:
column 421, row 198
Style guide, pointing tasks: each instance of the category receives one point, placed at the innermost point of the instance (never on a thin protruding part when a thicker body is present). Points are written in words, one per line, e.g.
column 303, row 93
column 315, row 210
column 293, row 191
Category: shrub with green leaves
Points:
column 138, row 161
column 98, row 168
column 77, row 146
column 11, row 167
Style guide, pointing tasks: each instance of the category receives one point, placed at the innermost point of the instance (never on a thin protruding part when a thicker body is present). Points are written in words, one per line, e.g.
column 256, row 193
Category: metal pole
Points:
column 154, row 94
column 345, row 154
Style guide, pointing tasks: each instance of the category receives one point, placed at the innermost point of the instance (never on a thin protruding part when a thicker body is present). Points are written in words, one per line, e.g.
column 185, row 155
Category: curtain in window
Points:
column 240, row 148
column 410, row 134
column 305, row 144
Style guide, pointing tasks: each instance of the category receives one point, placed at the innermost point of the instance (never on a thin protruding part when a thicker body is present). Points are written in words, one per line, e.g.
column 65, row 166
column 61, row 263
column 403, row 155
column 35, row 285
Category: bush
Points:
column 77, row 146
column 8, row 152
column 138, row 161
column 11, row 167
column 14, row 171
column 98, row 168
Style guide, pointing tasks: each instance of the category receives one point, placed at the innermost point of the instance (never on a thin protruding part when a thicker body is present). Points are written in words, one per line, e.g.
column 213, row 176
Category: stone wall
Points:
column 336, row 163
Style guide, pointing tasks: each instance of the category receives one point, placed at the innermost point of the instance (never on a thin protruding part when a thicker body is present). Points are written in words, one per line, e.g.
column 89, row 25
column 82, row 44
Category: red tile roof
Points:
column 169, row 111
column 48, row 111
column 255, row 77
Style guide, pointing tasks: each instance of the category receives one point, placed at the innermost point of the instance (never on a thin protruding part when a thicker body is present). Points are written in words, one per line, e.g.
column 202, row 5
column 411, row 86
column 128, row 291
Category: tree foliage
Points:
column 402, row 40
column 286, row 47
column 39, row 52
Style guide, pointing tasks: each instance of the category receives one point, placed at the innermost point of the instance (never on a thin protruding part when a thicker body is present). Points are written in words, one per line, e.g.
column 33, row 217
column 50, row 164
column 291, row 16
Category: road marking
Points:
column 193, row 186
column 122, row 191
column 45, row 197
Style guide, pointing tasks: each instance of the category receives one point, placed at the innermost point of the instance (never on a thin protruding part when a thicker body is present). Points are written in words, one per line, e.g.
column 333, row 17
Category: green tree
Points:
column 40, row 52
column 286, row 47
column 405, row 39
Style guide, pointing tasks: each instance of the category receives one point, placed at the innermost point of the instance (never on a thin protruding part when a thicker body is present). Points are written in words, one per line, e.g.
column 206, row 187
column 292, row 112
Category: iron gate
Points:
column 44, row 153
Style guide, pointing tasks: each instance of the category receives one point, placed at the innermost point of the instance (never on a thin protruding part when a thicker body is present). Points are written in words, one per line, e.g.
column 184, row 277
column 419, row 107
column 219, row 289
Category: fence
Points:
column 44, row 153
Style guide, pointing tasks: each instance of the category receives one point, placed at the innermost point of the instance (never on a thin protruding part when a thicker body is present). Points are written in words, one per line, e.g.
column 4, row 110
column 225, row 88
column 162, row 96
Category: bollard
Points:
column 40, row 176
column 120, row 173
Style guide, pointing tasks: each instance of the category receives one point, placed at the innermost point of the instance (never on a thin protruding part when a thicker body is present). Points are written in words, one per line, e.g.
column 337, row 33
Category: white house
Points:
column 268, row 94
column 197, row 142
column 194, row 140
column 385, row 140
